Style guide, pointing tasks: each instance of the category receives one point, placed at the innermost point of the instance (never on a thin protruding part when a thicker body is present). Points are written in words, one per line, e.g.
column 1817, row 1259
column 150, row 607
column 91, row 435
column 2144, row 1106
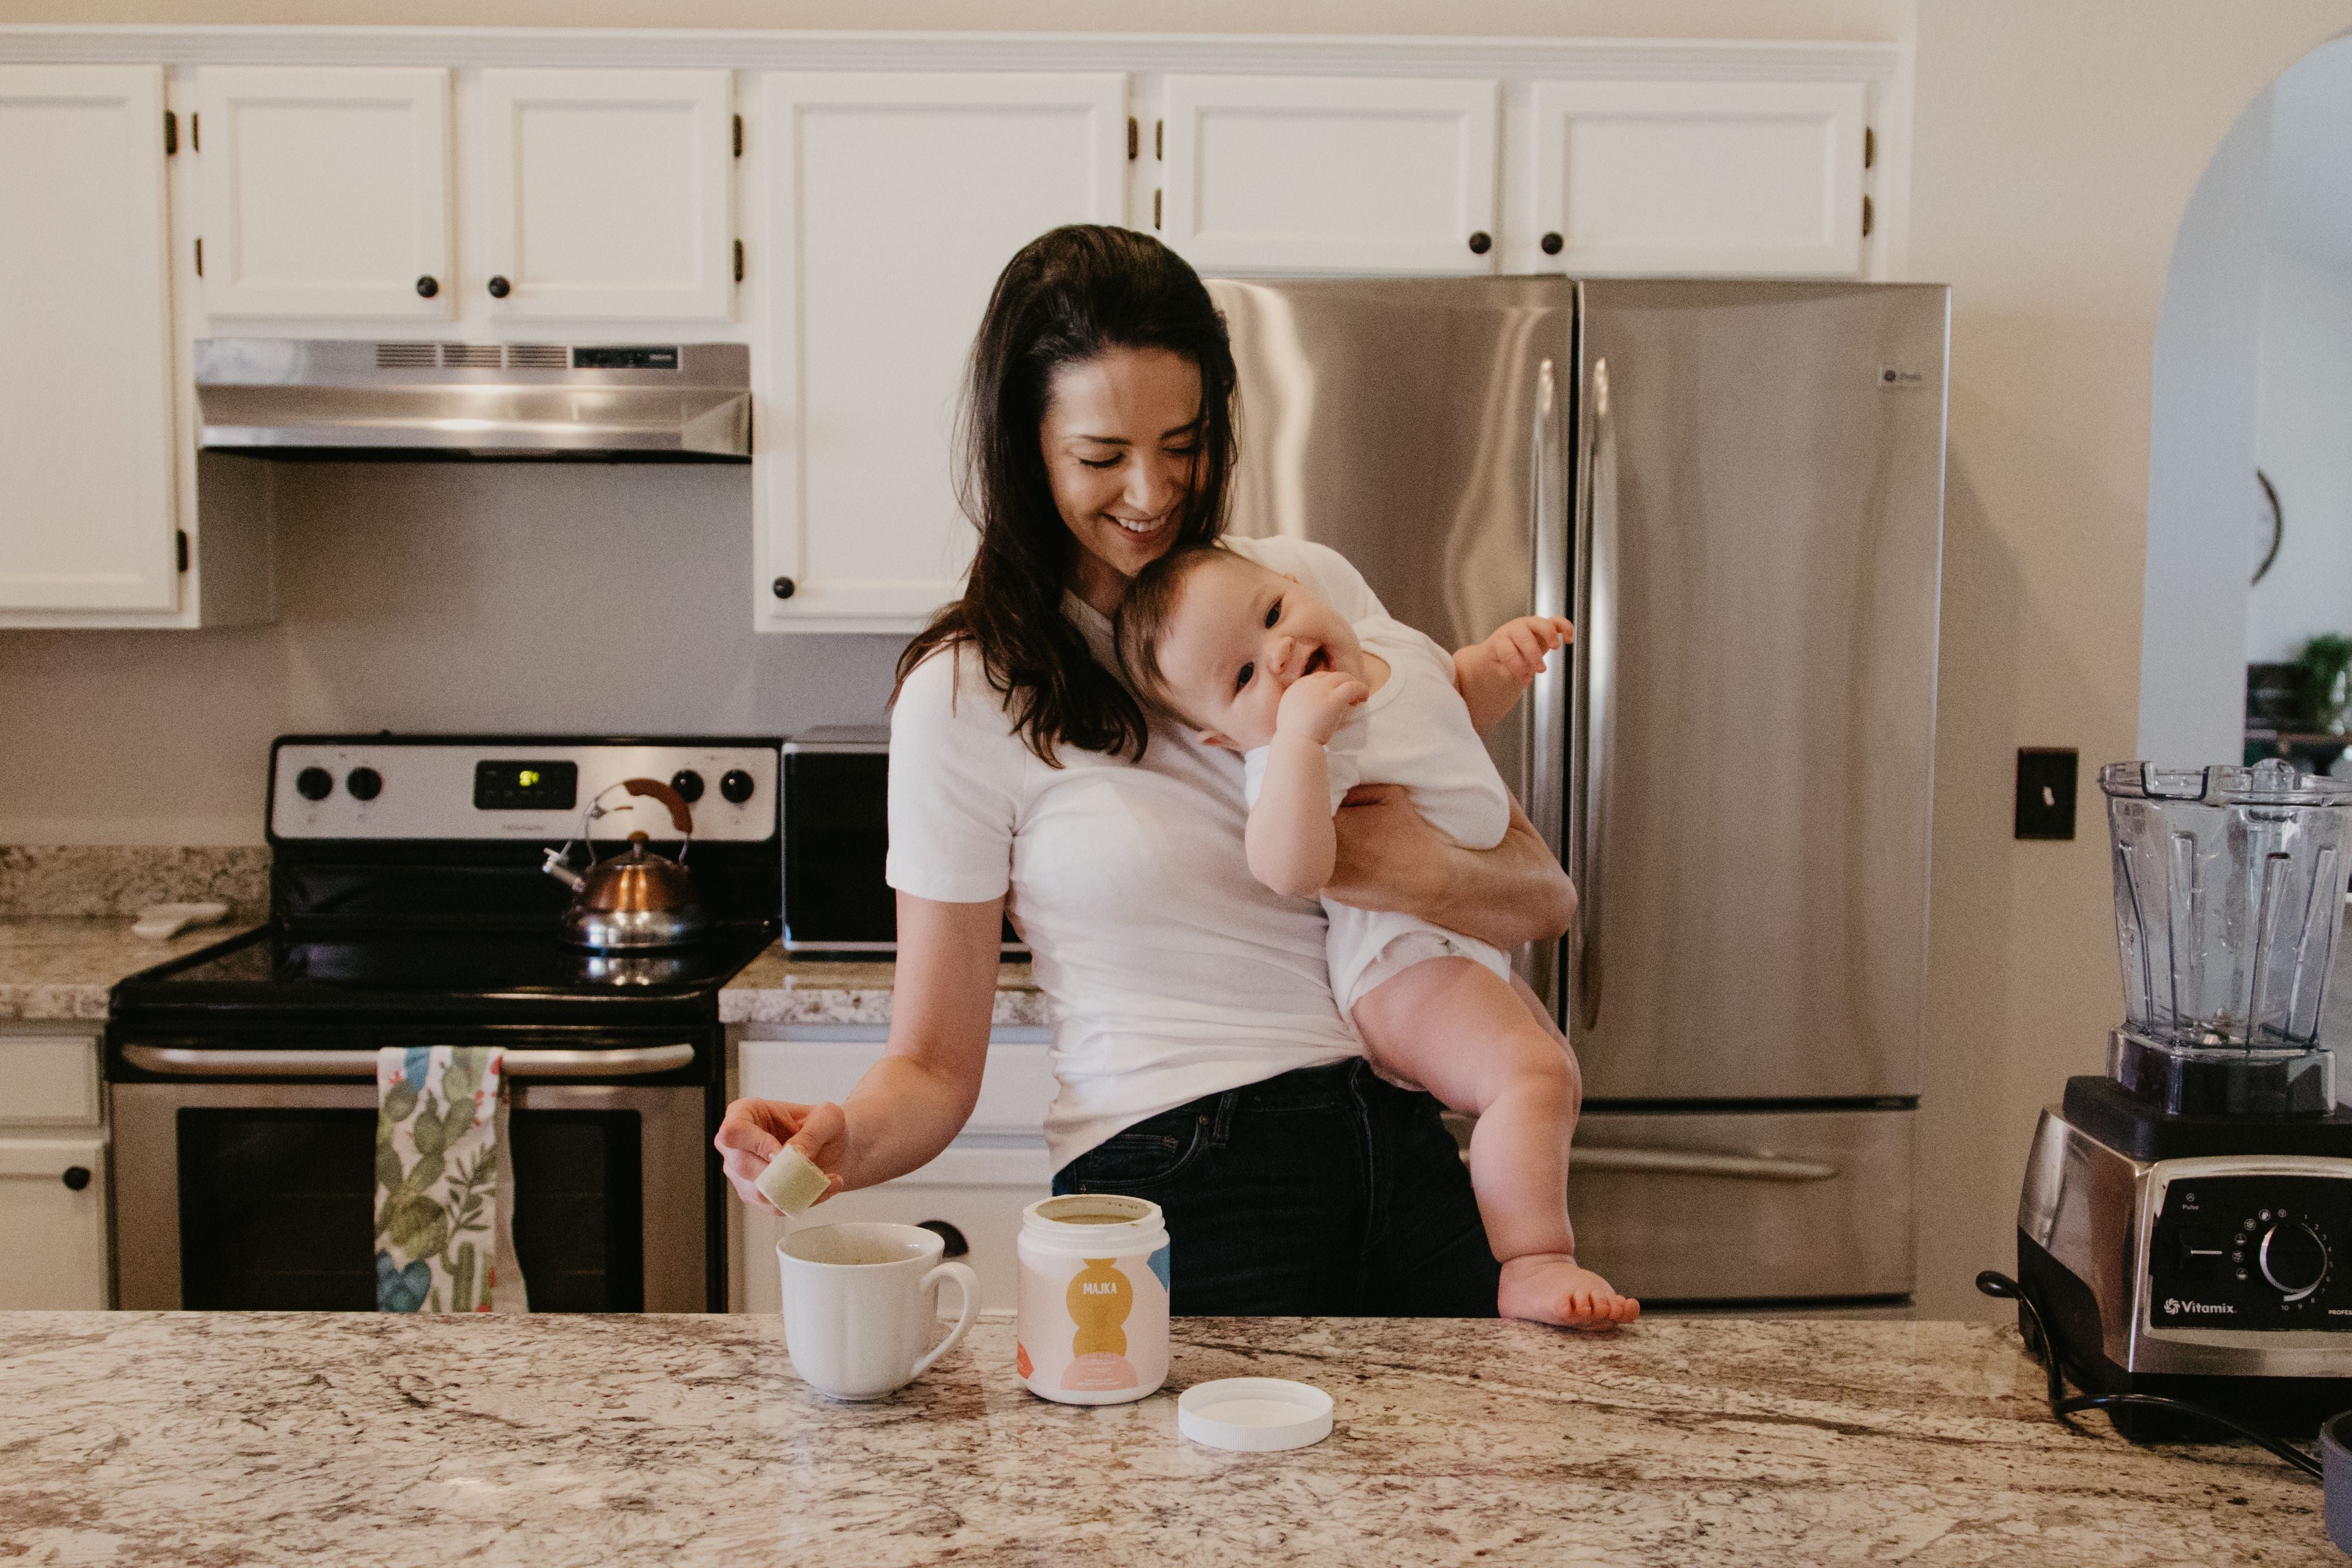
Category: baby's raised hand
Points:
column 1518, row 647
column 1316, row 703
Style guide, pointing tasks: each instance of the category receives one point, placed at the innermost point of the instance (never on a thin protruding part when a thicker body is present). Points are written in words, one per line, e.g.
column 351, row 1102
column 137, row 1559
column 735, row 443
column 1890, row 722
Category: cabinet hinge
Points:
column 1869, row 146
column 1155, row 209
column 171, row 133
column 1866, row 218
column 182, row 537
column 739, row 261
column 738, row 136
column 200, row 256
column 1159, row 138
column 1133, row 138
column 195, row 132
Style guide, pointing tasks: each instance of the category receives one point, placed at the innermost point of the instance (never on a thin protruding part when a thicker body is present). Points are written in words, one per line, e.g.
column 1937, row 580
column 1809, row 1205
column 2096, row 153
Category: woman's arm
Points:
column 912, row 1103
column 1389, row 858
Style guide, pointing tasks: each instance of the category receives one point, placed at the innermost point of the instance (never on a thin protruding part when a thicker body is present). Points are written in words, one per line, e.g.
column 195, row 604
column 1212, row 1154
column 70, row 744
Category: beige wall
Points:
column 2056, row 148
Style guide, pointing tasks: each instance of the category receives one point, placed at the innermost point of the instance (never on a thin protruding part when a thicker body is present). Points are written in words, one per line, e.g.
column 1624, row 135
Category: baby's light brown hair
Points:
column 1143, row 620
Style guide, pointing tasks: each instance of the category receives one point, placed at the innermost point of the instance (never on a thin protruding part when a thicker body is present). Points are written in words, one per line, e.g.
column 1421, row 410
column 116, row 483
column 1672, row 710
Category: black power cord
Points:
column 1994, row 1283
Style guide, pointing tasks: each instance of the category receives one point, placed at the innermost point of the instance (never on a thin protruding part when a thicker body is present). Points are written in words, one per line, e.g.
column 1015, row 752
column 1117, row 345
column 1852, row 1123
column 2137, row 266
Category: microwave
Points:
column 837, row 838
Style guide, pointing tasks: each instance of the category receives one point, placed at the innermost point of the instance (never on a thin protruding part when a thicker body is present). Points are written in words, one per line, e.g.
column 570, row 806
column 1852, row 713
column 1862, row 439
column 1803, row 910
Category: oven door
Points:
column 261, row 1196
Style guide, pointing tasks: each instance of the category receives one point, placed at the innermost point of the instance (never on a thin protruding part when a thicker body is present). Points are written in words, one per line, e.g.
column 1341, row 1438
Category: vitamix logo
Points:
column 2174, row 1306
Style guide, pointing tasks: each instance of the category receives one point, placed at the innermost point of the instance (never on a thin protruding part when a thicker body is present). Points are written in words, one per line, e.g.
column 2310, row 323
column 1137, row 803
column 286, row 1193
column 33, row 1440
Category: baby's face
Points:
column 1239, row 635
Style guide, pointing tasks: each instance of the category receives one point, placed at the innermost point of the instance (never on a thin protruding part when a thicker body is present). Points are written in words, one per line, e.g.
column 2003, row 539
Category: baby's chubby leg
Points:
column 1455, row 1026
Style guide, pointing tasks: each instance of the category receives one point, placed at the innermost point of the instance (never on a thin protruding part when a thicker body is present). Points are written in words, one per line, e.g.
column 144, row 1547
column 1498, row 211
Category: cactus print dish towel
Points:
column 444, row 1194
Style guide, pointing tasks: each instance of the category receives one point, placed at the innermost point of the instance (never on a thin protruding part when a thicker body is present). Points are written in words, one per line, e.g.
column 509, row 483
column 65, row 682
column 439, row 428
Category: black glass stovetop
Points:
column 487, row 977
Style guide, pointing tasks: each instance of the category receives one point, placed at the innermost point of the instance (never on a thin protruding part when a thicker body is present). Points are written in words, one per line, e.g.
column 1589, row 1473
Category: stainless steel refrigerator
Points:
column 1736, row 490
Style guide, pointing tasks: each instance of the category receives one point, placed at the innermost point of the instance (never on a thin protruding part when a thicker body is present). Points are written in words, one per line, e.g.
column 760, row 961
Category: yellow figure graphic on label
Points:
column 1099, row 1300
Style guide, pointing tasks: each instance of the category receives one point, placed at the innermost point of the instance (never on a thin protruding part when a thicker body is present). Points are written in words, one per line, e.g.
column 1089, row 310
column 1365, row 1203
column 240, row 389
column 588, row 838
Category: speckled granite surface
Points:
column 85, row 882
column 61, row 969
column 775, row 989
column 134, row 1440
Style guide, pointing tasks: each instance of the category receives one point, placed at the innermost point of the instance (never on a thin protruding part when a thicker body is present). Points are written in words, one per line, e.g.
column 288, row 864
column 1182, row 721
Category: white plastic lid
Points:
column 1256, row 1414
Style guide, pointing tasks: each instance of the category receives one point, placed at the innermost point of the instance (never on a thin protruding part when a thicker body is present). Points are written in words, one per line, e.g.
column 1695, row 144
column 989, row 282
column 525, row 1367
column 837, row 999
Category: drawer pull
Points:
column 957, row 1246
column 75, row 1178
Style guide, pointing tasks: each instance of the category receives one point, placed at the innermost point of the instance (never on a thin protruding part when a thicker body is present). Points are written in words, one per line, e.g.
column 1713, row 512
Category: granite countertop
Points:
column 134, row 1439
column 63, row 969
column 777, row 989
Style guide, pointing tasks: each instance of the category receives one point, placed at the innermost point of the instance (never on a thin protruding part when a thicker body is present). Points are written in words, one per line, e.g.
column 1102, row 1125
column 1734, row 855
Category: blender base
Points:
column 2130, row 1125
column 2285, row 1406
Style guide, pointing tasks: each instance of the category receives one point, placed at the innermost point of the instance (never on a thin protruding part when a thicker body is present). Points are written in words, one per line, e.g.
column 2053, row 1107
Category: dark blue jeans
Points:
column 1324, row 1191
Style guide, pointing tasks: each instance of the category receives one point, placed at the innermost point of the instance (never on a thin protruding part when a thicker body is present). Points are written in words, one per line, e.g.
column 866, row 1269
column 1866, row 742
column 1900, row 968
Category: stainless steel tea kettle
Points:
column 636, row 900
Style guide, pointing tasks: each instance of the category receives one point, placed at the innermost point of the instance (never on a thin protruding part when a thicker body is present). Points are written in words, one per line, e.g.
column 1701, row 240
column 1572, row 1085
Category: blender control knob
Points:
column 2292, row 1258
column 366, row 784
column 314, row 784
column 736, row 785
column 688, row 784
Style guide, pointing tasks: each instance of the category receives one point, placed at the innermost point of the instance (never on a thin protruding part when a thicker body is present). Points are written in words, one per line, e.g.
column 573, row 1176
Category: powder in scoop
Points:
column 792, row 1181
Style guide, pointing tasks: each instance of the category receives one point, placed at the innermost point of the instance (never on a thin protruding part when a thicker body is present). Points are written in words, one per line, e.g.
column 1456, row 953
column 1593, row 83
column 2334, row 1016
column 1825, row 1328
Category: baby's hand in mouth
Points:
column 1316, row 703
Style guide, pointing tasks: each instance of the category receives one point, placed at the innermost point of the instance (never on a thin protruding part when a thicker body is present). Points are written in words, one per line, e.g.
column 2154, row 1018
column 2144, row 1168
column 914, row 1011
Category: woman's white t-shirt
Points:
column 1169, row 972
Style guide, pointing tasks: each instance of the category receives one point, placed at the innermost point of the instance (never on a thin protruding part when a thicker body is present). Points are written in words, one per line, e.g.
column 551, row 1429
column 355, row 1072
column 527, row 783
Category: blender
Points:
column 2186, row 1227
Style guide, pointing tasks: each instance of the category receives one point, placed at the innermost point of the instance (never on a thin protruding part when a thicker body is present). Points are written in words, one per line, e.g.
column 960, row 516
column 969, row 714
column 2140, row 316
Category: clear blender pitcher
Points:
column 2230, row 888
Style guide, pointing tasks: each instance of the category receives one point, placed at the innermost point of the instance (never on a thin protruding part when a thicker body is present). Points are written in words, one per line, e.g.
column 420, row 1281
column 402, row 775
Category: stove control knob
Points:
column 736, row 785
column 688, row 784
column 314, row 784
column 2292, row 1258
column 366, row 784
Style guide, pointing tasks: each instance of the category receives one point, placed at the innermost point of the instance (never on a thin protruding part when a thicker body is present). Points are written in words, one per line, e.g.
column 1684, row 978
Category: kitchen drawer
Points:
column 53, row 1198
column 986, row 1214
column 812, row 1065
column 1745, row 1206
column 48, row 1080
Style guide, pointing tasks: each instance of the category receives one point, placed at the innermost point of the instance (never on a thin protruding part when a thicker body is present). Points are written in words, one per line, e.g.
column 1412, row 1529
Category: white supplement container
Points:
column 1093, row 1298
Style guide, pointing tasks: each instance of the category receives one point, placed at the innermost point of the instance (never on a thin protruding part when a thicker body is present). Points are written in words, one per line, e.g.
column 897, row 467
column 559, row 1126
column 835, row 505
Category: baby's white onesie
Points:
column 1415, row 731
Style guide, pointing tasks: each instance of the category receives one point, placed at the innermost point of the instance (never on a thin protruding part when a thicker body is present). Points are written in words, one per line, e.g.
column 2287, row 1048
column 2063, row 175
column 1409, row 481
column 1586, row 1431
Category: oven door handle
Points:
column 634, row 1061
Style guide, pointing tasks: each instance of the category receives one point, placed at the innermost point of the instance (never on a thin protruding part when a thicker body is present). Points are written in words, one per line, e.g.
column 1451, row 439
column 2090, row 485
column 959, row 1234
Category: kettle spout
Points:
column 563, row 873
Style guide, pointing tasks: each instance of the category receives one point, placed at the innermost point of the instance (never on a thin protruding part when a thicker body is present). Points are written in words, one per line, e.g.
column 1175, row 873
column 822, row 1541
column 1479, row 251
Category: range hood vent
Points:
column 311, row 398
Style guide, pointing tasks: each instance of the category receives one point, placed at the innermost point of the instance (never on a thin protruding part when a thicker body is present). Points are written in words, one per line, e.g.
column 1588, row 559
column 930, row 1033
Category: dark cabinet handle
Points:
column 1551, row 244
column 957, row 1246
column 428, row 286
column 500, row 287
column 1481, row 242
column 76, row 1177
column 782, row 587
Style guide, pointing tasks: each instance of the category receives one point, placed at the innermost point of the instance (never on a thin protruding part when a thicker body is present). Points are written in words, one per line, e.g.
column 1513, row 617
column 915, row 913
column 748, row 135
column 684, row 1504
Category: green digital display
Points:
column 524, row 786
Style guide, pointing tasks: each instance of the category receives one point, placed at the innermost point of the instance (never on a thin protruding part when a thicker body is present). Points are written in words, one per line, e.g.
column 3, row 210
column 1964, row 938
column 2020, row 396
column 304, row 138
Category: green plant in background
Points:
column 2327, row 661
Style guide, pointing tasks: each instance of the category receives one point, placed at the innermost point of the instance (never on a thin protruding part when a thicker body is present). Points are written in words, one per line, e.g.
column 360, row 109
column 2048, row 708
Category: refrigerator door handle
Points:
column 1547, row 711
column 1696, row 1163
column 1595, row 689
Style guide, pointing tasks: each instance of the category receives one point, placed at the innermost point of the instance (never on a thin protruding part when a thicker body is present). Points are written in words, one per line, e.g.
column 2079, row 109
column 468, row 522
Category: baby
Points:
column 1261, row 664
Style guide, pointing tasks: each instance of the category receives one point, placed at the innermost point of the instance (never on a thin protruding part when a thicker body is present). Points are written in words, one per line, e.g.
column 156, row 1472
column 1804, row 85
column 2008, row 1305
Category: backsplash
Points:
column 40, row 881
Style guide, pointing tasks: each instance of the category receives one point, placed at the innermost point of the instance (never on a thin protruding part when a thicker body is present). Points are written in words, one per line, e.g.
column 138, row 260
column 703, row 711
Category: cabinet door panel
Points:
column 893, row 204
column 326, row 192
column 87, row 436
column 608, row 192
column 1745, row 179
column 53, row 1236
column 1331, row 174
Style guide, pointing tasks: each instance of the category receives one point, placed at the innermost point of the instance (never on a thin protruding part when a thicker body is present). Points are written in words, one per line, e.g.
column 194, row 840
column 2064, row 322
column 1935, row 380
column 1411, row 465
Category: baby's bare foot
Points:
column 1549, row 1288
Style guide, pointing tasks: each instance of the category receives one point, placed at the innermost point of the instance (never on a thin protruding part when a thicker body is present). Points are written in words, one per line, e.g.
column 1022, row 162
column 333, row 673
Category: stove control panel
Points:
column 530, row 788
column 2253, row 1251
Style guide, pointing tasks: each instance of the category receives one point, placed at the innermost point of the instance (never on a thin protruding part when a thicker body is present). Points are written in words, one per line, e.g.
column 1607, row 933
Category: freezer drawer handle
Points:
column 1694, row 1162
column 636, row 1061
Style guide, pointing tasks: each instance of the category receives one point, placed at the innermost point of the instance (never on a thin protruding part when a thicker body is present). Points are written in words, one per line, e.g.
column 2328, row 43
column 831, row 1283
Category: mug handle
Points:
column 968, row 1283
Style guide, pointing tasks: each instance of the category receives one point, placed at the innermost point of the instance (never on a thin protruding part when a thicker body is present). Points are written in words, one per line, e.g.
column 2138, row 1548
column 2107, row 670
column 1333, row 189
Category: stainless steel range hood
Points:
column 312, row 398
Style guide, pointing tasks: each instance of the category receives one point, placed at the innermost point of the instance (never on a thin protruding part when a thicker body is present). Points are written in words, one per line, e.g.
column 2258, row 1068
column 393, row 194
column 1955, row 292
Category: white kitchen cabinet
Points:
column 326, row 192
column 89, row 512
column 892, row 202
column 1268, row 174
column 604, row 193
column 978, row 1186
column 53, row 1172
column 1682, row 178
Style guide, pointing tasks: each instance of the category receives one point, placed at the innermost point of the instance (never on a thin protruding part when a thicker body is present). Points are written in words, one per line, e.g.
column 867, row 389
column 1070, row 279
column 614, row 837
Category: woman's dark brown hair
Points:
column 1070, row 296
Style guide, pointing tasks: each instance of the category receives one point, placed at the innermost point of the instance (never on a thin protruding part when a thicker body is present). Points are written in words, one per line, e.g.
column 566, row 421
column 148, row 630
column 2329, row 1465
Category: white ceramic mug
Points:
column 861, row 1303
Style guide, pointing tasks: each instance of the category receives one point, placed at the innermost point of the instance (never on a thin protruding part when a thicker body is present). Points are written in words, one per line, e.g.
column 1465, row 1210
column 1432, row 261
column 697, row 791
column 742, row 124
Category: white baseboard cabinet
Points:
column 55, row 1251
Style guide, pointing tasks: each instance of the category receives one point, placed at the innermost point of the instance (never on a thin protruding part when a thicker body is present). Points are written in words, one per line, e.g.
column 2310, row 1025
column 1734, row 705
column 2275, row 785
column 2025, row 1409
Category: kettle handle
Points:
column 680, row 817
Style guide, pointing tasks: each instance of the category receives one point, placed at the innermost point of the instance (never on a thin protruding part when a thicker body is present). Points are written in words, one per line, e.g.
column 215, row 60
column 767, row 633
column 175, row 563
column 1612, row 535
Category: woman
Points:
column 1202, row 1061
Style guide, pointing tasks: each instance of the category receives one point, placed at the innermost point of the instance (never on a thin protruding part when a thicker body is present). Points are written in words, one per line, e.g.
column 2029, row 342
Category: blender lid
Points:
column 2268, row 783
